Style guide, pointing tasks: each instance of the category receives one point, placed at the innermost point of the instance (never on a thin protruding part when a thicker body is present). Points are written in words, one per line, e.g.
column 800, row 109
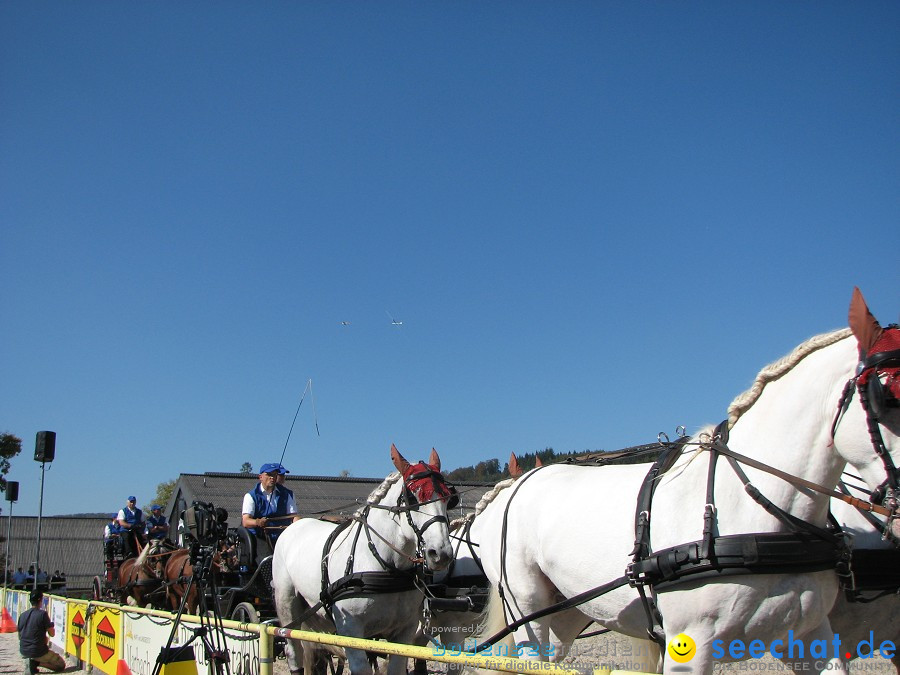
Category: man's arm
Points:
column 247, row 510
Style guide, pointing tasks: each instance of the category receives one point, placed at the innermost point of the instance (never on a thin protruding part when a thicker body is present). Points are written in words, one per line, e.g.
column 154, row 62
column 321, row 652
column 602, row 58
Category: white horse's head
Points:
column 867, row 432
column 427, row 498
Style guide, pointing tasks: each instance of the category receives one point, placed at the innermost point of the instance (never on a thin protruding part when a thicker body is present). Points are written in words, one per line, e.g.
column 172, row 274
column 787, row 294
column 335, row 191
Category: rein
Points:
column 863, row 505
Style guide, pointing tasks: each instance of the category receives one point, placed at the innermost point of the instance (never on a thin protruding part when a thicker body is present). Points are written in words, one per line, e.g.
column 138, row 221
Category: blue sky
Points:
column 596, row 221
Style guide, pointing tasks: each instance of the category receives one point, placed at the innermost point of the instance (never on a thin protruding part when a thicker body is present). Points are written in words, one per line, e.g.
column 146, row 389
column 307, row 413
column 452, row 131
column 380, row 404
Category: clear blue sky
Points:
column 596, row 221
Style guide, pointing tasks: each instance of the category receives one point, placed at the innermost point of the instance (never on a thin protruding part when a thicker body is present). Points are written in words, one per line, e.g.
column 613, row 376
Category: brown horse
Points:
column 178, row 575
column 137, row 582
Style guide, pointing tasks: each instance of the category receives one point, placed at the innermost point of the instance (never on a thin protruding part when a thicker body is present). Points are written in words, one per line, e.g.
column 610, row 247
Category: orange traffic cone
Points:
column 122, row 668
column 7, row 625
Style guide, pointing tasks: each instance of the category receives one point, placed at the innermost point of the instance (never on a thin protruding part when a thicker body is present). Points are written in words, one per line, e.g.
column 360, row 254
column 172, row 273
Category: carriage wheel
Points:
column 97, row 589
column 245, row 613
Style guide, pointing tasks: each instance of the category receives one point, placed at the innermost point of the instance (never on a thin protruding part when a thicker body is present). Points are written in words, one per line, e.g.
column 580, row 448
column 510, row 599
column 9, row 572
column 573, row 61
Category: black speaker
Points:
column 12, row 491
column 45, row 446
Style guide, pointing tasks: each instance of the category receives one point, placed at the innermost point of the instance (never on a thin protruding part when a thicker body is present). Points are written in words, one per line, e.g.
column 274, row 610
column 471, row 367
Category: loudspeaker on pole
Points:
column 12, row 491
column 45, row 446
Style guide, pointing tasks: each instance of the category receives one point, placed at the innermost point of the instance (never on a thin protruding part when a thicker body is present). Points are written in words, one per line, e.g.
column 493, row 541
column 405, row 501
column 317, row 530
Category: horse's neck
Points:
column 788, row 428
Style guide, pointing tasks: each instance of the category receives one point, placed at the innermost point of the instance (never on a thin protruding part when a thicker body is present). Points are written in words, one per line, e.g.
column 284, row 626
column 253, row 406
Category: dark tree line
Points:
column 489, row 470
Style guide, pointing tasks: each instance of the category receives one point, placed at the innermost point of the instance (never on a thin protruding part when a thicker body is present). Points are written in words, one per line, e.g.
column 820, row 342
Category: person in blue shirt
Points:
column 157, row 525
column 113, row 536
column 157, row 529
column 131, row 518
column 268, row 508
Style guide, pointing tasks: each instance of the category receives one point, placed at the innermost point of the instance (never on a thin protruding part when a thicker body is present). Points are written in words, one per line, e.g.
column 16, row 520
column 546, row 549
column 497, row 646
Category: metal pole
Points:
column 8, row 529
column 37, row 555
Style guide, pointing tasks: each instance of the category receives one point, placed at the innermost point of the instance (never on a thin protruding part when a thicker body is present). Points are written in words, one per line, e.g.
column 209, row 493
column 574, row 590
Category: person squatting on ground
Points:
column 131, row 518
column 34, row 627
column 266, row 502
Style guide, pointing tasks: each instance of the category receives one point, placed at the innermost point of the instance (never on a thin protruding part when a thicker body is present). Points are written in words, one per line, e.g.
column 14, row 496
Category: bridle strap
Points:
column 860, row 504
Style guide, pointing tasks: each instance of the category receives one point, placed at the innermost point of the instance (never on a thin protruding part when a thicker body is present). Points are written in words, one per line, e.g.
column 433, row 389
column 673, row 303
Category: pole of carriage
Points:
column 12, row 495
column 44, row 451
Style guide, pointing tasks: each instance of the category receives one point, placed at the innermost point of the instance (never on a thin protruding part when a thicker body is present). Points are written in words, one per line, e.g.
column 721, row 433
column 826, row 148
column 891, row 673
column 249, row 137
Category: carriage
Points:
column 239, row 588
column 106, row 587
column 243, row 590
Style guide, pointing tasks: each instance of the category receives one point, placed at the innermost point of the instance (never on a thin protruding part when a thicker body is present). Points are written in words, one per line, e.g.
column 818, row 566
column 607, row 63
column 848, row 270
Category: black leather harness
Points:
column 805, row 548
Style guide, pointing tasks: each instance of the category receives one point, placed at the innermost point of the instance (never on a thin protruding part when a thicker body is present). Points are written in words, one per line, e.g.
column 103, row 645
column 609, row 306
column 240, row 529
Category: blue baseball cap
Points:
column 282, row 470
column 270, row 467
column 132, row 498
column 155, row 507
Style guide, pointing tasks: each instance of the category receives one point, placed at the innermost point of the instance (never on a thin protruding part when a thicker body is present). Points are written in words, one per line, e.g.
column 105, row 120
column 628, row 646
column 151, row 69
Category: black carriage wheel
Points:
column 97, row 589
column 245, row 613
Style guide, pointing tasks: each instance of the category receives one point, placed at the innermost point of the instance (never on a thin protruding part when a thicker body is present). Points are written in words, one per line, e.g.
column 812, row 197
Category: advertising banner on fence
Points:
column 143, row 638
column 105, row 639
column 16, row 603
column 57, row 611
column 76, row 630
column 145, row 635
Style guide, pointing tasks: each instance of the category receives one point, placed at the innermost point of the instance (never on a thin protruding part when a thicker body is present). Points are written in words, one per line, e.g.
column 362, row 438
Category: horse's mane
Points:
column 773, row 371
column 142, row 558
column 491, row 495
column 381, row 491
column 482, row 504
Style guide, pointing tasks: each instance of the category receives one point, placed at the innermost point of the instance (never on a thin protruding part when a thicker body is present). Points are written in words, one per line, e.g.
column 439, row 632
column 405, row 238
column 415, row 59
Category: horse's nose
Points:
column 438, row 559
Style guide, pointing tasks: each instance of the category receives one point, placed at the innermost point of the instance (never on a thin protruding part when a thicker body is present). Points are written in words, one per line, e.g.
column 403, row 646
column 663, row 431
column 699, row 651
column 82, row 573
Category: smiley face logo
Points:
column 682, row 648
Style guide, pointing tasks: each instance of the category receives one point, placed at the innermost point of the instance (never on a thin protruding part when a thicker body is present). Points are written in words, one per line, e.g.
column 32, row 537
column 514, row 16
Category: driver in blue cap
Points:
column 268, row 508
column 131, row 518
column 157, row 528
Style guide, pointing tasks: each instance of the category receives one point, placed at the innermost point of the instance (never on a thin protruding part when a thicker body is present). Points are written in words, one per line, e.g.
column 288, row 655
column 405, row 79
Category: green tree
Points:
column 10, row 446
column 164, row 492
column 246, row 467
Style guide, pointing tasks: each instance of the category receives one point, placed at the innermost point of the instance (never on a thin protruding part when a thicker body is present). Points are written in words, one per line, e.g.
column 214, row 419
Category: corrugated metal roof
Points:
column 315, row 495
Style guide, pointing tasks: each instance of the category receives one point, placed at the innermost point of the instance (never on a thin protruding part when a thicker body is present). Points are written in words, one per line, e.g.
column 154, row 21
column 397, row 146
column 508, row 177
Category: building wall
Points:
column 71, row 544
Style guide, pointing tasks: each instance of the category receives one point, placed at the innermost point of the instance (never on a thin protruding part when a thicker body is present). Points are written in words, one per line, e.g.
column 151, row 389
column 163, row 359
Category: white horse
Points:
column 456, row 629
column 878, row 612
column 368, row 564
column 565, row 530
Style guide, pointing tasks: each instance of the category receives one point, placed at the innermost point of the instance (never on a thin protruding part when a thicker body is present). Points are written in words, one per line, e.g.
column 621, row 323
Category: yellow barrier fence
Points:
column 120, row 640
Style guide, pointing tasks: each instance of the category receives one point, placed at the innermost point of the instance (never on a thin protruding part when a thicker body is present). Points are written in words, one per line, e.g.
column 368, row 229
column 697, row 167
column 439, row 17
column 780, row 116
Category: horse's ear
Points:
column 514, row 469
column 538, row 463
column 398, row 459
column 435, row 460
column 864, row 326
